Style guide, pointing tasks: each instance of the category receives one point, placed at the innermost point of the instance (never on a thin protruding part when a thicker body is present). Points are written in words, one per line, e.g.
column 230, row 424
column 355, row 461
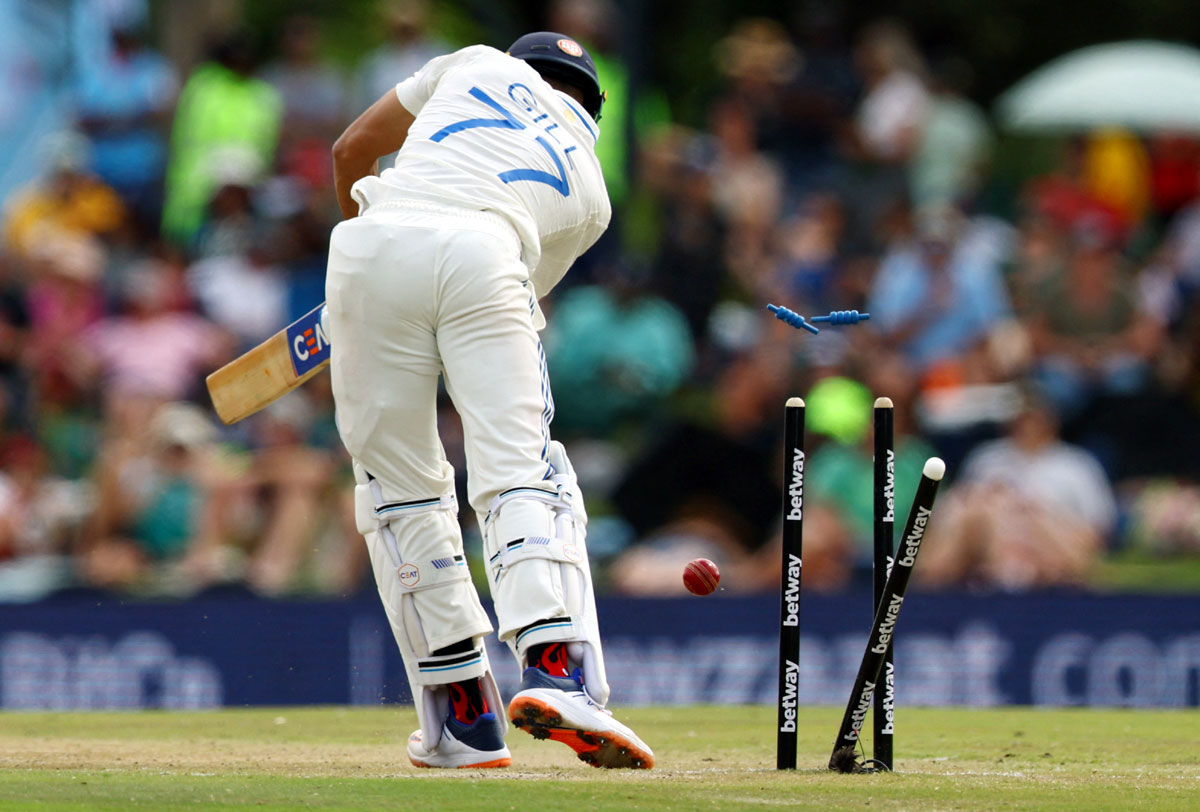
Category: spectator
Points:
column 935, row 298
column 886, row 128
column 748, row 190
column 65, row 299
column 40, row 520
column 408, row 47
column 304, row 246
column 178, row 512
column 1027, row 511
column 615, row 352
column 810, row 272
column 231, row 221
column 756, row 60
column 951, row 152
column 1181, row 249
column 892, row 111
column 246, row 294
column 150, row 349
column 1066, row 197
column 288, row 495
column 692, row 234
column 67, row 200
column 339, row 562
column 160, row 516
column 1040, row 252
column 222, row 105
column 1090, row 335
column 123, row 105
column 1164, row 517
column 313, row 93
column 818, row 103
column 757, row 64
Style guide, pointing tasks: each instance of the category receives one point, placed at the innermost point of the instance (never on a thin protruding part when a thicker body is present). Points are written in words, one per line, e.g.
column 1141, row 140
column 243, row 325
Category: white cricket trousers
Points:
column 416, row 291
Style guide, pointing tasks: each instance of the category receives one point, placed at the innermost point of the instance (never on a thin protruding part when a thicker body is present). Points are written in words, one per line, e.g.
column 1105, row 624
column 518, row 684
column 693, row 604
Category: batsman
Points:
column 436, row 270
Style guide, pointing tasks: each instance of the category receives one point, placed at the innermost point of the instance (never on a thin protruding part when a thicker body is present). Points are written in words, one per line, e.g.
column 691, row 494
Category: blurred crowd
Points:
column 1041, row 334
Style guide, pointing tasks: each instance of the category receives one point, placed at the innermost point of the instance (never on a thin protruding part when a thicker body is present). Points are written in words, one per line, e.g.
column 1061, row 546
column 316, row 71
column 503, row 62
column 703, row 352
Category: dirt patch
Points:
column 223, row 757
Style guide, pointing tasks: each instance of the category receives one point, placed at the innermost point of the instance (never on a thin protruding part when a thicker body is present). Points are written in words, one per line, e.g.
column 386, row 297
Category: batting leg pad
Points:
column 417, row 556
column 535, row 543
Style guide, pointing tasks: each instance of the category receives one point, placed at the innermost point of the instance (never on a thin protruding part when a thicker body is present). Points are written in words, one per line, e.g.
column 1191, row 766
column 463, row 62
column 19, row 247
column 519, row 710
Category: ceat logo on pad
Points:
column 570, row 46
column 409, row 574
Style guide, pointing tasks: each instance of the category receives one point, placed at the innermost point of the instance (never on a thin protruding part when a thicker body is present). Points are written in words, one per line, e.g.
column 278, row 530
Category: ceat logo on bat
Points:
column 570, row 46
column 307, row 343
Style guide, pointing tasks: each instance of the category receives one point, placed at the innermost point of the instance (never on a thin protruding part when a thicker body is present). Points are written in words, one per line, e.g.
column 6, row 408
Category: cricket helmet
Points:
column 559, row 56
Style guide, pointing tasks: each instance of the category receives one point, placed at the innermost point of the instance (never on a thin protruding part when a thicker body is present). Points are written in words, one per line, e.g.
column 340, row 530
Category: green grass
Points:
column 1139, row 571
column 709, row 758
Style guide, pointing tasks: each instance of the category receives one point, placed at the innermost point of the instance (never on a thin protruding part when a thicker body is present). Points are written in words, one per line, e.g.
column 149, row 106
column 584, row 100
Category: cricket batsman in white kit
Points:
column 437, row 270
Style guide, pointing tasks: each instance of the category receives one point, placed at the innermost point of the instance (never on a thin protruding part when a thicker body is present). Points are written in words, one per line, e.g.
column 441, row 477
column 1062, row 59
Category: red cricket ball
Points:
column 701, row 576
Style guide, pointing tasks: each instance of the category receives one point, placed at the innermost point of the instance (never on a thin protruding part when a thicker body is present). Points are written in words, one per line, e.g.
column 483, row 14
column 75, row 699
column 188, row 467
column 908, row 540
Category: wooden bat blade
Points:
column 275, row 367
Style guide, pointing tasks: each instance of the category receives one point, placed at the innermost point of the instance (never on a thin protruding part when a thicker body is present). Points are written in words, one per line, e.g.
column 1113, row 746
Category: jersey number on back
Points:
column 510, row 122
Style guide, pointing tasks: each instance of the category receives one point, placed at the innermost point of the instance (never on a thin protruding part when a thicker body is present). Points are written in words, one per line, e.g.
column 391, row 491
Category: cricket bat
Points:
column 275, row 367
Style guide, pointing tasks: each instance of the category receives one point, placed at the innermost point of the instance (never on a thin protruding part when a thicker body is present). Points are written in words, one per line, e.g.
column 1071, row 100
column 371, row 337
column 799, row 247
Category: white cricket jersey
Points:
column 491, row 134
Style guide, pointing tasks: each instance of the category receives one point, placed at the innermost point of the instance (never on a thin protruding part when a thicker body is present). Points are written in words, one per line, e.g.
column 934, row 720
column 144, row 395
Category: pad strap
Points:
column 536, row 494
column 552, row 629
column 417, row 575
column 440, row 669
column 394, row 510
column 523, row 549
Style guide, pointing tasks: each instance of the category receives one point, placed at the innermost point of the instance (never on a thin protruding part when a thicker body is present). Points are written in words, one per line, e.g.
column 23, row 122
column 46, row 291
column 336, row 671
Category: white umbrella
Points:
column 1140, row 84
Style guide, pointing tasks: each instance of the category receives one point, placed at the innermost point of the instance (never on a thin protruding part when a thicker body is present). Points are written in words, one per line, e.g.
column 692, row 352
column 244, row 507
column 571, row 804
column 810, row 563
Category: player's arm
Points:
column 379, row 131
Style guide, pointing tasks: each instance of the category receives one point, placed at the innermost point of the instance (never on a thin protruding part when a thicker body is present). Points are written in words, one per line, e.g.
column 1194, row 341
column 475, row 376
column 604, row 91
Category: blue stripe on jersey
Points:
column 589, row 125
column 557, row 182
column 509, row 122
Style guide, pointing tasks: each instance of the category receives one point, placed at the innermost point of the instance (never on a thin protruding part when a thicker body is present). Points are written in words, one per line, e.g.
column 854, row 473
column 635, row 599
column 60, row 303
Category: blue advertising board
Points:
column 951, row 649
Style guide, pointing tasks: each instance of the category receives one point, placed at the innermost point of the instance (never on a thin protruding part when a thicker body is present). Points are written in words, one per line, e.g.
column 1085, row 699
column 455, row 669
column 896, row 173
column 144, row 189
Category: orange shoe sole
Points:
column 600, row 749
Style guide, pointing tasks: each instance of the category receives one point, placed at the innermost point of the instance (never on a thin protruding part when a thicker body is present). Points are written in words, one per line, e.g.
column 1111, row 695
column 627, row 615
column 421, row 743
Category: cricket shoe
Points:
column 477, row 745
column 559, row 708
